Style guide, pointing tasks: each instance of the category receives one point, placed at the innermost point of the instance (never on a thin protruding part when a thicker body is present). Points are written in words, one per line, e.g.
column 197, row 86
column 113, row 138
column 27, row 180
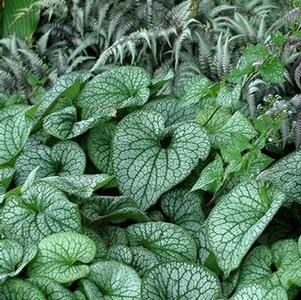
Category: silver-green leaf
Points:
column 149, row 159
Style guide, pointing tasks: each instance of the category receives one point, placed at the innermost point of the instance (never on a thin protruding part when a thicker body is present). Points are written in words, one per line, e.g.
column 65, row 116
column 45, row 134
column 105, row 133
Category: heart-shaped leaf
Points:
column 40, row 211
column 149, row 159
column 63, row 257
column 63, row 159
column 14, row 257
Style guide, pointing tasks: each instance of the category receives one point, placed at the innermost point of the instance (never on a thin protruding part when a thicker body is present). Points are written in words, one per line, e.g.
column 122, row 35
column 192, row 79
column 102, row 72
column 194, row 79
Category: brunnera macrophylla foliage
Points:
column 111, row 190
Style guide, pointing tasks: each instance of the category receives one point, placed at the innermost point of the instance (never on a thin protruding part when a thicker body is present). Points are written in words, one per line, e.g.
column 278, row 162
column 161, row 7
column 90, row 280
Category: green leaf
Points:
column 120, row 87
column 172, row 110
column 238, row 125
column 63, row 257
column 14, row 289
column 81, row 186
column 63, row 159
column 106, row 209
column 14, row 257
column 149, row 159
column 238, row 219
column 113, row 235
column 39, row 212
column 112, row 280
column 64, row 125
column 178, row 280
column 51, row 289
column 14, row 132
column 19, row 17
column 229, row 97
column 168, row 241
column 197, row 91
column 272, row 71
column 211, row 176
column 285, row 174
column 99, row 146
column 258, row 292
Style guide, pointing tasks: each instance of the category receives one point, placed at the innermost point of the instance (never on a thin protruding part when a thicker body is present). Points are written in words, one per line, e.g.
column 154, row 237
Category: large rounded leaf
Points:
column 120, row 87
column 149, row 159
column 42, row 210
column 238, row 219
column 63, row 159
column 14, row 257
column 112, row 280
column 17, row 289
column 168, row 241
column 63, row 257
column 178, row 280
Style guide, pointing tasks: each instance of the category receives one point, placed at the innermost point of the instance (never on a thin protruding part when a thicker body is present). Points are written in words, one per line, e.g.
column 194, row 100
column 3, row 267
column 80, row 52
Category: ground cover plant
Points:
column 156, row 160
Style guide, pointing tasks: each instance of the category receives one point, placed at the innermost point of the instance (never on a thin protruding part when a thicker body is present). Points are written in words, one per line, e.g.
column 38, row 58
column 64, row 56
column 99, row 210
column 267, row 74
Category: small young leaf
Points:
column 211, row 176
column 272, row 71
column 63, row 257
column 196, row 91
